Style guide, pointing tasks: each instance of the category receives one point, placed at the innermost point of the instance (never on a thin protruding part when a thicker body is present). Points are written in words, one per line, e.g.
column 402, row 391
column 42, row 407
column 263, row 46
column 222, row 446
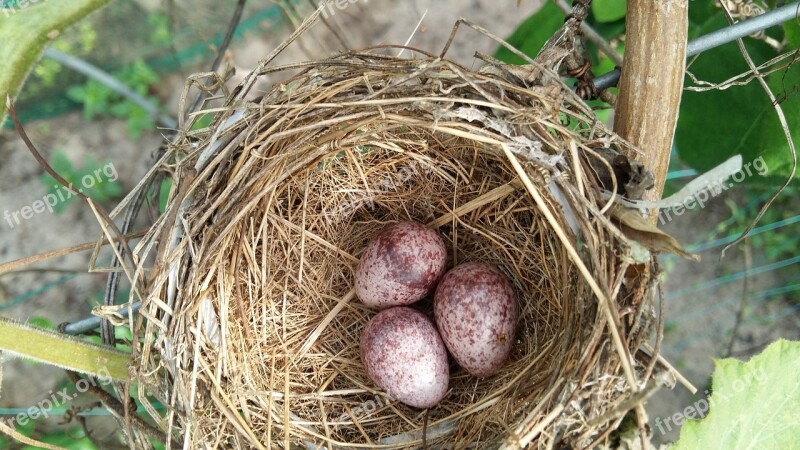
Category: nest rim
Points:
column 571, row 174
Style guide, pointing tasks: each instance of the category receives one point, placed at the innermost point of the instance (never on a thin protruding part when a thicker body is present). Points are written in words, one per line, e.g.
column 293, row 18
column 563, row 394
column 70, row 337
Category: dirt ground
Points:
column 701, row 319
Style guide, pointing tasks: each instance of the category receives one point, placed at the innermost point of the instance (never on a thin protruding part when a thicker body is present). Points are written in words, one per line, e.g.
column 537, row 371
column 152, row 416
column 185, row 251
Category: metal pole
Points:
column 720, row 37
column 112, row 83
column 90, row 323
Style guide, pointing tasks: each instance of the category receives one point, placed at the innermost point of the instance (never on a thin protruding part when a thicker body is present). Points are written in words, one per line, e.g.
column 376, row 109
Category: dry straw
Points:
column 252, row 327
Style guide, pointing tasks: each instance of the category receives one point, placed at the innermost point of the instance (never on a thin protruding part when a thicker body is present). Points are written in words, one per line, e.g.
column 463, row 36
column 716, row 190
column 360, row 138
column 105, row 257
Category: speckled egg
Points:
column 476, row 314
column 404, row 355
column 400, row 265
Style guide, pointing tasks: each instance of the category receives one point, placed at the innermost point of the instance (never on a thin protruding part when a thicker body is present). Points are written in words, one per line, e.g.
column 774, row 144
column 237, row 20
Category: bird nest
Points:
column 252, row 326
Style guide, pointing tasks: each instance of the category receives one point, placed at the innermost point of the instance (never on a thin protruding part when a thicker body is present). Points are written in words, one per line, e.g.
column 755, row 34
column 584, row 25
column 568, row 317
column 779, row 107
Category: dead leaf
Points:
column 636, row 227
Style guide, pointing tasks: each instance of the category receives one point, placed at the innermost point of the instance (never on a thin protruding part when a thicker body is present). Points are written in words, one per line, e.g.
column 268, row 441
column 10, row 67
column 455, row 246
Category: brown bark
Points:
column 652, row 81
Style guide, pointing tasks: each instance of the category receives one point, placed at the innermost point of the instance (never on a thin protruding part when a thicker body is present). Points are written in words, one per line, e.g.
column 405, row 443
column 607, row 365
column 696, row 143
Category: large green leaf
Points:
column 608, row 10
column 755, row 405
column 715, row 125
column 25, row 29
column 792, row 30
column 531, row 35
column 699, row 13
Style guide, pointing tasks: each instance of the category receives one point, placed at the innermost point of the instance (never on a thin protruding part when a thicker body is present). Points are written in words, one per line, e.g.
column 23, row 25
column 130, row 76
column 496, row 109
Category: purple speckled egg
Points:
column 405, row 356
column 400, row 265
column 476, row 314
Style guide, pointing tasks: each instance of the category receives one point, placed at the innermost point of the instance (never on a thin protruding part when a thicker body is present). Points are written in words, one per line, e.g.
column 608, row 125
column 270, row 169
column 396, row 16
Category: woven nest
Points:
column 252, row 329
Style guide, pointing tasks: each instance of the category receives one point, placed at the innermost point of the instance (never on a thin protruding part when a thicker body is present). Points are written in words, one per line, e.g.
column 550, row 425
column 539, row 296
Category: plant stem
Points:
column 61, row 350
column 649, row 97
column 652, row 82
column 593, row 35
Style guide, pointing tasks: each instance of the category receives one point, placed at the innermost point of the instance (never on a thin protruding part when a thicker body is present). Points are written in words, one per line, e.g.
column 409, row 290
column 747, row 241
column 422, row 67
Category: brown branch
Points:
column 651, row 83
column 649, row 95
column 18, row 264
column 593, row 35
column 113, row 404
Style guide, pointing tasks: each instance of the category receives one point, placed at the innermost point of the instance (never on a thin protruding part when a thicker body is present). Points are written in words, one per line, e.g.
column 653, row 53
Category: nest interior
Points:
column 253, row 327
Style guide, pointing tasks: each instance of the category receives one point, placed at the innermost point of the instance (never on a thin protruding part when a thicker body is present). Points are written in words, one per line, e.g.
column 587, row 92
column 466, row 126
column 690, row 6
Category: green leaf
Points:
column 608, row 10
column 792, row 31
column 531, row 35
column 138, row 121
column 62, row 165
column 755, row 405
column 715, row 125
column 41, row 322
column 97, row 181
column 99, row 99
column 73, row 439
column 163, row 194
column 606, row 64
column 123, row 333
column 27, row 428
column 700, row 11
column 159, row 24
column 25, row 29
column 202, row 122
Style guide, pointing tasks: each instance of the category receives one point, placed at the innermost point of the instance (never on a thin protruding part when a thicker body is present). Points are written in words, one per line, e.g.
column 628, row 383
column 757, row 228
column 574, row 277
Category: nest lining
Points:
column 253, row 329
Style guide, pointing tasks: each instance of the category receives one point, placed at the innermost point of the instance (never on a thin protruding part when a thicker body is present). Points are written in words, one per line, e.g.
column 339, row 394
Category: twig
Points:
column 743, row 304
column 593, row 35
column 90, row 323
column 118, row 408
column 47, row 270
column 341, row 37
column 794, row 8
column 678, row 376
column 293, row 17
column 769, row 67
column 112, row 283
column 608, row 308
column 43, row 163
column 410, row 37
column 226, row 42
column 133, row 211
column 17, row 264
column 25, row 439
